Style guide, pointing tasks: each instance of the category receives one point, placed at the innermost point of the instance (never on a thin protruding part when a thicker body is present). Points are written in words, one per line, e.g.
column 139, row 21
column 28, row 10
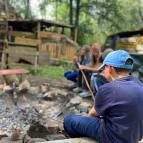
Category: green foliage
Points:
column 56, row 72
column 107, row 17
column 100, row 18
column 52, row 71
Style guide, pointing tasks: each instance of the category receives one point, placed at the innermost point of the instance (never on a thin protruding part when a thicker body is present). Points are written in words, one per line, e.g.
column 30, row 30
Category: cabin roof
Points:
column 27, row 25
column 127, row 34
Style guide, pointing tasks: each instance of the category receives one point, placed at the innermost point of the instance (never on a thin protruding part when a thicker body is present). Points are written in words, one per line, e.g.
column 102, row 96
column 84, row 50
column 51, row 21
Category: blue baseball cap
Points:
column 119, row 59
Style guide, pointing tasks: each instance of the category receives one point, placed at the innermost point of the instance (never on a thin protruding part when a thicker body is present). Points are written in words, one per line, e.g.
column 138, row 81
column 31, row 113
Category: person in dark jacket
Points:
column 117, row 114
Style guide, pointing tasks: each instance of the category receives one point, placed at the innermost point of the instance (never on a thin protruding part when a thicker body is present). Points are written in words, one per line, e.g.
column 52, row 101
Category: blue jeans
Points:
column 71, row 75
column 82, row 126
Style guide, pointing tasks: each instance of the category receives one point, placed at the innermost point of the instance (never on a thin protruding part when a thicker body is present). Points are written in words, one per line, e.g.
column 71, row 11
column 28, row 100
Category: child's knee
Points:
column 67, row 121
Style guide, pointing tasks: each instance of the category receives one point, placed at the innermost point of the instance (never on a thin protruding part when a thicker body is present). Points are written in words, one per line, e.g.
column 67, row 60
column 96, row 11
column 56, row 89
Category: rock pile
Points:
column 38, row 113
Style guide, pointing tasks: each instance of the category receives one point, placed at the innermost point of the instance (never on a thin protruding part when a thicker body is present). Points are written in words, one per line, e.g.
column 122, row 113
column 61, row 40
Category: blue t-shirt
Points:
column 86, row 60
column 120, row 102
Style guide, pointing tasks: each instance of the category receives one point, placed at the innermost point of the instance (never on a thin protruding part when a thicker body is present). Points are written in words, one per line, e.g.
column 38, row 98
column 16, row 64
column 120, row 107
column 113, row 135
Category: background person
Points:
column 98, row 78
column 89, row 68
column 75, row 75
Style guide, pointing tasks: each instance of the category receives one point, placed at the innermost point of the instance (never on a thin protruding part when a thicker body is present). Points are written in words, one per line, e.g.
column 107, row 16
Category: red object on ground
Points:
column 13, row 71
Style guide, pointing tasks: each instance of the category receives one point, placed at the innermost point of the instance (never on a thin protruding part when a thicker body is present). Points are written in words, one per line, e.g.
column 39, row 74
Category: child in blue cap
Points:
column 117, row 114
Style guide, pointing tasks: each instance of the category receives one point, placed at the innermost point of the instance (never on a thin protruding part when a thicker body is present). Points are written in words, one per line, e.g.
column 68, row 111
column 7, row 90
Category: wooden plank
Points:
column 3, row 31
column 13, row 71
column 2, row 17
column 17, row 52
column 20, row 48
column 27, row 41
column 21, row 34
column 3, row 27
column 21, row 45
column 125, row 45
column 50, row 35
column 14, row 64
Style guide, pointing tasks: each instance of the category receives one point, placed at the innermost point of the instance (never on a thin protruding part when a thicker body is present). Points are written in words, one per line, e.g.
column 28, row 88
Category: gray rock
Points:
column 52, row 127
column 55, row 137
column 48, row 96
column 15, row 134
column 34, row 90
column 28, row 139
column 68, row 105
column 35, row 140
column 25, row 85
column 8, row 140
column 45, row 87
column 37, row 130
column 75, row 100
column 74, row 110
column 6, row 88
column 10, row 79
column 84, row 107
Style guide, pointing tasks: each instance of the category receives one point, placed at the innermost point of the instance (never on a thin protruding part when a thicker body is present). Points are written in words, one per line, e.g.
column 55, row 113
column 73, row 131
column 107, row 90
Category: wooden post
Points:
column 36, row 62
column 3, row 59
column 75, row 34
column 6, row 9
column 5, row 46
column 62, row 32
column 38, row 47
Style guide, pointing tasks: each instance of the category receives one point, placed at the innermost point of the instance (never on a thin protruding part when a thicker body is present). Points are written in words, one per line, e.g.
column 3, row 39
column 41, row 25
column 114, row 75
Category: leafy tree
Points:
column 22, row 7
column 95, row 19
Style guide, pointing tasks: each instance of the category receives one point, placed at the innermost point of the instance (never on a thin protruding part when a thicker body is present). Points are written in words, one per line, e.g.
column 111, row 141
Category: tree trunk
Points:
column 56, row 10
column 77, row 13
column 71, row 19
column 141, row 14
column 6, row 2
column 77, row 19
column 71, row 12
column 28, row 10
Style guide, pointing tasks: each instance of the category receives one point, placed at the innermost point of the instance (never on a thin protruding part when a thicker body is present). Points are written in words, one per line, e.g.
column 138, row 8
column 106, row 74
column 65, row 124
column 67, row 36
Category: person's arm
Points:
column 104, row 100
column 92, row 112
column 91, row 68
column 82, row 67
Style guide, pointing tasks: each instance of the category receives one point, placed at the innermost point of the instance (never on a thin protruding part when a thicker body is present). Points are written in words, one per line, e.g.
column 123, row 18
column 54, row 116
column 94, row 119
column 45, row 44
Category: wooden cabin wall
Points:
column 47, row 52
column 18, row 53
column 58, row 51
column 52, row 46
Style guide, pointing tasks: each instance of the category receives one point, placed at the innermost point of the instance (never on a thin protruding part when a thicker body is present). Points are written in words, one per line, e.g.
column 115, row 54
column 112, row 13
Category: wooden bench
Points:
column 13, row 71
column 20, row 71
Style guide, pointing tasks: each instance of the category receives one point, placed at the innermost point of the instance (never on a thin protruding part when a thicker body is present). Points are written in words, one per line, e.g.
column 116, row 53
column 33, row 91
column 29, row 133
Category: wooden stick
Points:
column 83, row 74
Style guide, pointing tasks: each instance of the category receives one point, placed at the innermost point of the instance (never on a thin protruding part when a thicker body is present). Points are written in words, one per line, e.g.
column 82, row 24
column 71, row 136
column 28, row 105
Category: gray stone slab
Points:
column 141, row 141
column 72, row 140
column 75, row 140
